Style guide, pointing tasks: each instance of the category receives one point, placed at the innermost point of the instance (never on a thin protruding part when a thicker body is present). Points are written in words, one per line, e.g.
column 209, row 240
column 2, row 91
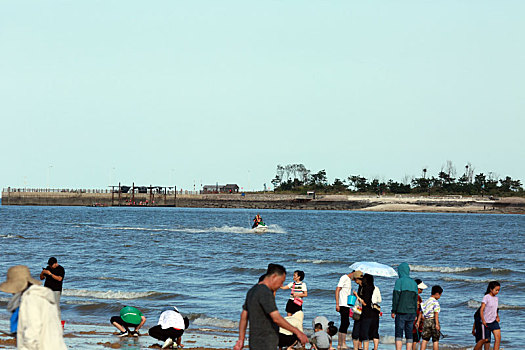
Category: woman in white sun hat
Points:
column 38, row 322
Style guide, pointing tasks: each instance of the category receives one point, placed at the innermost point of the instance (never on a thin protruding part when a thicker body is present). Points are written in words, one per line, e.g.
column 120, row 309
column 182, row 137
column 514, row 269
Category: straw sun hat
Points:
column 17, row 279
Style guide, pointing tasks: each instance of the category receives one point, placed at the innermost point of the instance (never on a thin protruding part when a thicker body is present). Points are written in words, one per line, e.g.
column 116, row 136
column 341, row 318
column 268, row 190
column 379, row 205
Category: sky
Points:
column 186, row 93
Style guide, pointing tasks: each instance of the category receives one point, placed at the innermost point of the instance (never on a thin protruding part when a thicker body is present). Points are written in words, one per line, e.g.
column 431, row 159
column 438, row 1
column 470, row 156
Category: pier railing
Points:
column 88, row 190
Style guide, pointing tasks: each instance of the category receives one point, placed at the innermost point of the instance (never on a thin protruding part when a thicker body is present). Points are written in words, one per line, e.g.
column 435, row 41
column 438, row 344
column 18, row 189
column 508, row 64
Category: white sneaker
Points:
column 167, row 343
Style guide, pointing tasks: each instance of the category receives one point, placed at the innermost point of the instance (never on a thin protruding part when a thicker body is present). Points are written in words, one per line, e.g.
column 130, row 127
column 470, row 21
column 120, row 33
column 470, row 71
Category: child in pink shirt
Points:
column 489, row 316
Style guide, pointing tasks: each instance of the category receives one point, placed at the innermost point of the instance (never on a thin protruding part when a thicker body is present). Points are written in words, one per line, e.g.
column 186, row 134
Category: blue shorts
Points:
column 483, row 332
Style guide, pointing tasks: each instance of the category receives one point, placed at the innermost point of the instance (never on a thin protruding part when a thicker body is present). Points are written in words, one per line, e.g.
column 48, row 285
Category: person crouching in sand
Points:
column 170, row 328
column 129, row 317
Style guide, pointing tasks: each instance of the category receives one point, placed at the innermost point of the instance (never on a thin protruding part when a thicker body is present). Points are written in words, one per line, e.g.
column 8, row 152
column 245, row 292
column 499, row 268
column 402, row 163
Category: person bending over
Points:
column 129, row 317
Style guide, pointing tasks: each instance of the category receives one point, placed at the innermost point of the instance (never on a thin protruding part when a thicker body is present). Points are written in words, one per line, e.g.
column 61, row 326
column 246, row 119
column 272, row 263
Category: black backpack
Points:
column 477, row 314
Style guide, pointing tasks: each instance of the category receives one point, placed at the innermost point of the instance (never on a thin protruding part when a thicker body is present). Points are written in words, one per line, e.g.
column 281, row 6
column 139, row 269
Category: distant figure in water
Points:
column 257, row 220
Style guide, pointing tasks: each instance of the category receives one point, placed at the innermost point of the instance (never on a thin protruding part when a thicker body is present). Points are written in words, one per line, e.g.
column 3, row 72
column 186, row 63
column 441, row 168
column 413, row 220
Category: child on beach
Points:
column 322, row 340
column 418, row 323
column 489, row 317
column 431, row 327
column 287, row 340
column 477, row 328
column 298, row 292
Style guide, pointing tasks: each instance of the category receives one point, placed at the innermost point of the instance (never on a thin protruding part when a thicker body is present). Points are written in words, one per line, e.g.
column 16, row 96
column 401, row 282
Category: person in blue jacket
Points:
column 404, row 306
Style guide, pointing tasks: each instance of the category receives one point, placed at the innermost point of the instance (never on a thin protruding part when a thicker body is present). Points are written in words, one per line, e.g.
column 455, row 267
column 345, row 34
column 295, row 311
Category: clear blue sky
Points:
column 177, row 92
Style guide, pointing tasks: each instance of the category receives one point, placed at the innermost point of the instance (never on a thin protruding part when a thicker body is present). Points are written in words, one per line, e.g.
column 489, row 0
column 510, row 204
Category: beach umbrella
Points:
column 374, row 268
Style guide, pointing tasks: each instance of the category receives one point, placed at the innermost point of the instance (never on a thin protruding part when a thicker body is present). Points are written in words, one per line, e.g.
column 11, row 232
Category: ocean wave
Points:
column 474, row 304
column 246, row 269
column 110, row 278
column 119, row 295
column 11, row 236
column 215, row 322
column 316, row 261
column 468, row 280
column 240, row 229
column 446, row 269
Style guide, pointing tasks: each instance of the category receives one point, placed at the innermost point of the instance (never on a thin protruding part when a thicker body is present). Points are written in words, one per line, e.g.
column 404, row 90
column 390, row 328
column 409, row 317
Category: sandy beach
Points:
column 79, row 336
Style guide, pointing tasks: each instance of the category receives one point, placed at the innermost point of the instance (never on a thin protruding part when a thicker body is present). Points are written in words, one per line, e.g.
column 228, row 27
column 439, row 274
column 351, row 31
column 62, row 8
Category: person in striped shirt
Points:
column 298, row 292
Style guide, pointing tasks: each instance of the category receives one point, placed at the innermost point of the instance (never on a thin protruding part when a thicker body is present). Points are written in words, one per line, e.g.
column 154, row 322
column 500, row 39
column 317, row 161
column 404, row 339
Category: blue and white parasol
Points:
column 374, row 268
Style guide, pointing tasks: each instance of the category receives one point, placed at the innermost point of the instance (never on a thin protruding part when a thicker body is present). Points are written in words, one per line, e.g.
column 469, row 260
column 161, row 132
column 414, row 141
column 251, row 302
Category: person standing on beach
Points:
column 418, row 323
column 298, row 292
column 404, row 306
column 260, row 311
column 488, row 313
column 342, row 291
column 38, row 322
column 54, row 275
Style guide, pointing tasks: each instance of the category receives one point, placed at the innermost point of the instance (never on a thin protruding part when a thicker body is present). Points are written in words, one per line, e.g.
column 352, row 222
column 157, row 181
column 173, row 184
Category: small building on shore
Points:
column 228, row 188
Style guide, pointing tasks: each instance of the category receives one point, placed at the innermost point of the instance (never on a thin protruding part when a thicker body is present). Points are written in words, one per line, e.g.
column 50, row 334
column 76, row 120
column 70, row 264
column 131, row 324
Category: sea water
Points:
column 204, row 260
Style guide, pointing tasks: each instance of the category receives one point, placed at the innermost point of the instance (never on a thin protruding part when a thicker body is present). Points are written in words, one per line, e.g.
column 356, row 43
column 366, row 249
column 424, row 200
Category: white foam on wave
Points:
column 215, row 322
column 10, row 236
column 240, row 229
column 444, row 269
column 110, row 278
column 315, row 261
column 468, row 280
column 222, row 229
column 105, row 294
column 474, row 304
column 459, row 269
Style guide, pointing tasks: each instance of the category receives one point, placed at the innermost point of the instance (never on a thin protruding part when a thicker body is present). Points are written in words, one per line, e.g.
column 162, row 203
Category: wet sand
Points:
column 79, row 336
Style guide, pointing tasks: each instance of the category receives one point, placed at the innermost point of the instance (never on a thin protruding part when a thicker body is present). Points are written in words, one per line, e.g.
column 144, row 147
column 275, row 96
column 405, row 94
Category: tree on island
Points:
column 296, row 178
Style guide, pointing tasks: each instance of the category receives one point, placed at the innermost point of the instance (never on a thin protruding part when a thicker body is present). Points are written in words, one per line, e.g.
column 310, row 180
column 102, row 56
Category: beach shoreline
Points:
column 376, row 203
column 81, row 336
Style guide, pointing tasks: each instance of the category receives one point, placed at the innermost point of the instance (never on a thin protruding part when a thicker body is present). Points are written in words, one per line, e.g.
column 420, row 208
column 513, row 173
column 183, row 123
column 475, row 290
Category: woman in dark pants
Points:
column 356, row 330
column 367, row 320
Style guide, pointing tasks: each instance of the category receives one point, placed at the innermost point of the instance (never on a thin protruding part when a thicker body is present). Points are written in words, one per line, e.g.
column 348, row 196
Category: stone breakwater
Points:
column 272, row 201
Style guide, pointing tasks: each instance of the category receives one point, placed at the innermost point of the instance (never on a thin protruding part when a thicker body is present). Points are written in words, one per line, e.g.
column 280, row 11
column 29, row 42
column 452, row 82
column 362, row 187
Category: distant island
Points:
column 296, row 187
column 296, row 178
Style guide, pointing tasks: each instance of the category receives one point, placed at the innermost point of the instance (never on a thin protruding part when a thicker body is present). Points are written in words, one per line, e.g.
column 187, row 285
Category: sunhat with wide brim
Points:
column 17, row 279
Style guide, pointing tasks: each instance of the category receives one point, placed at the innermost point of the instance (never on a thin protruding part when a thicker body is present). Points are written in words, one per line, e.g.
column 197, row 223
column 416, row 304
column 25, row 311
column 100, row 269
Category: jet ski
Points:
column 261, row 228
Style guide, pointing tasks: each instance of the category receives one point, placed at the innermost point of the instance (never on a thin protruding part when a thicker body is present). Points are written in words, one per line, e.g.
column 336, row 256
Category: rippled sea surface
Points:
column 204, row 260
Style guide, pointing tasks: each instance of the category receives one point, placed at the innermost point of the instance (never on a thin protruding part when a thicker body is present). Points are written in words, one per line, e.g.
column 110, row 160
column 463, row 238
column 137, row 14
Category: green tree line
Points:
column 296, row 178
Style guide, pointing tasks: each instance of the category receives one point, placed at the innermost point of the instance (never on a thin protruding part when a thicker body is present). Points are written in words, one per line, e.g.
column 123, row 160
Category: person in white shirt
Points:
column 170, row 328
column 343, row 290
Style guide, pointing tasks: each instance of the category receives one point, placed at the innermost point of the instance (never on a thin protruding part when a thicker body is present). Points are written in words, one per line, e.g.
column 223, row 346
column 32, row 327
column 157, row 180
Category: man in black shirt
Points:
column 54, row 275
column 260, row 311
